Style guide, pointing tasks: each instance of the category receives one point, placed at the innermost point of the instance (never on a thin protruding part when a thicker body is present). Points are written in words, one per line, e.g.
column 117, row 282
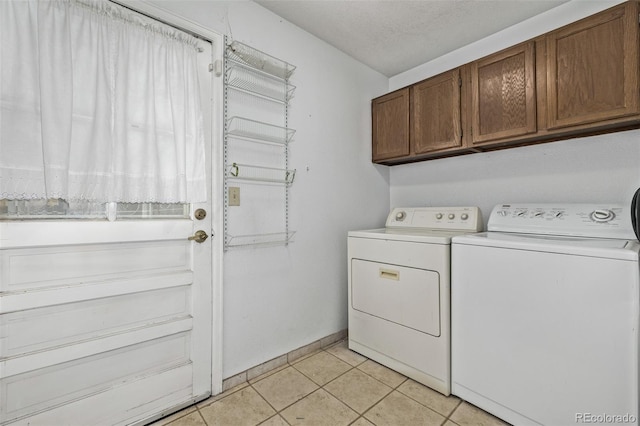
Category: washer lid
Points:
column 594, row 247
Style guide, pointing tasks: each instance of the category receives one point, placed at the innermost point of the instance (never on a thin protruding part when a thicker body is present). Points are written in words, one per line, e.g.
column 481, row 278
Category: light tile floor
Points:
column 333, row 386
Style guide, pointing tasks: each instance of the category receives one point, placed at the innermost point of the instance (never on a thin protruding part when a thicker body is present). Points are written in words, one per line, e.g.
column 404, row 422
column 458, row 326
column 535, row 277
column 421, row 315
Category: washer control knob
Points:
column 438, row 216
column 602, row 215
column 451, row 216
column 464, row 216
column 400, row 216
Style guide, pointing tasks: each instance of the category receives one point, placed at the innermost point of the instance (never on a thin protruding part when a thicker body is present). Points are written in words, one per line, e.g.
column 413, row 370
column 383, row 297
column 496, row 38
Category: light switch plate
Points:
column 234, row 196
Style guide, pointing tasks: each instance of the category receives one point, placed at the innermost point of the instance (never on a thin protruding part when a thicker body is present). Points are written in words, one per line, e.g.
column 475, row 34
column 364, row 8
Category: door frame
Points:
column 217, row 170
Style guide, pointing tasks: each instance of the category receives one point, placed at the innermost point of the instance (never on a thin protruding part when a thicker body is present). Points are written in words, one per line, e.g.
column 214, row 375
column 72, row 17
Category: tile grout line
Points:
column 278, row 412
column 201, row 416
column 352, row 367
column 453, row 411
column 447, row 417
column 319, row 387
column 265, row 376
column 250, row 383
column 377, row 402
column 289, row 364
column 268, row 403
column 393, row 389
column 355, row 367
column 396, row 388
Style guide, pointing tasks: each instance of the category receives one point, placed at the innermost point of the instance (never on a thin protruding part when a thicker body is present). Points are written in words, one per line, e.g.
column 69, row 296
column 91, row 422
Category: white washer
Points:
column 545, row 315
column 399, row 293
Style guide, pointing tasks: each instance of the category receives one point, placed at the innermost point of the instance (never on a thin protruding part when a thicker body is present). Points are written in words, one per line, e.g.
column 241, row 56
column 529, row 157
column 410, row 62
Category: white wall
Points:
column 594, row 169
column 602, row 168
column 278, row 299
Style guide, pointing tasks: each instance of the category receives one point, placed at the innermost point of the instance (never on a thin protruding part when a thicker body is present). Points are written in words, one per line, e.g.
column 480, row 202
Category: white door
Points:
column 107, row 321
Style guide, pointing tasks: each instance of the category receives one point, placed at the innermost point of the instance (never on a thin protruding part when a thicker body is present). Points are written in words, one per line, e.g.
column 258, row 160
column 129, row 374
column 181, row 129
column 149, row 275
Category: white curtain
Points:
column 97, row 103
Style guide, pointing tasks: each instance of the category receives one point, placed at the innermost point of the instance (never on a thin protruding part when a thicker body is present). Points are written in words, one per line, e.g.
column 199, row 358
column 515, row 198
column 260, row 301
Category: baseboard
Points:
column 281, row 360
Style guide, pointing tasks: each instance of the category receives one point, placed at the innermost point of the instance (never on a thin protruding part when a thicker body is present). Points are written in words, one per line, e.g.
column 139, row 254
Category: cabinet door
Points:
column 436, row 122
column 503, row 94
column 390, row 120
column 592, row 68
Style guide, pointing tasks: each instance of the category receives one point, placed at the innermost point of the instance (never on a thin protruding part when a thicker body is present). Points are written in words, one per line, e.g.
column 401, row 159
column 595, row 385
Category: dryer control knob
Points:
column 602, row 215
column 438, row 216
column 400, row 216
column 452, row 216
column 464, row 216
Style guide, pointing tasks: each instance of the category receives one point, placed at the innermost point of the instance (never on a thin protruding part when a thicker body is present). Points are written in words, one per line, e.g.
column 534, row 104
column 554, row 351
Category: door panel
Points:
column 436, row 122
column 406, row 296
column 56, row 326
column 503, row 94
column 390, row 117
column 27, row 392
column 592, row 68
column 110, row 406
column 28, row 269
column 95, row 316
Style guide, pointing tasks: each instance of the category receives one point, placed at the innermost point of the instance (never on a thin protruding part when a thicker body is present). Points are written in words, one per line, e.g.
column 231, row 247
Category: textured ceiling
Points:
column 393, row 36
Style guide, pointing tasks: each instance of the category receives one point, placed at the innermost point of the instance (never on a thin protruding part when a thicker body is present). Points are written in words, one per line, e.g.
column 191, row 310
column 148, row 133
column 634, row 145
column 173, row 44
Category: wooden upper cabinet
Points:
column 592, row 68
column 581, row 79
column 503, row 96
column 390, row 121
column 435, row 114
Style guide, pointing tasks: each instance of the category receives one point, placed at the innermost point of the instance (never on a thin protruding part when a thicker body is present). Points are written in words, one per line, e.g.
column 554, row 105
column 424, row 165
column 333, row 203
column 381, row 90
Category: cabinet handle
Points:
column 389, row 274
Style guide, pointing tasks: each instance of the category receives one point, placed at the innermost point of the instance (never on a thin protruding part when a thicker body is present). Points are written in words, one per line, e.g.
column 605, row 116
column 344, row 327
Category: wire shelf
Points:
column 243, row 54
column 247, row 79
column 261, row 76
column 272, row 239
column 260, row 174
column 245, row 128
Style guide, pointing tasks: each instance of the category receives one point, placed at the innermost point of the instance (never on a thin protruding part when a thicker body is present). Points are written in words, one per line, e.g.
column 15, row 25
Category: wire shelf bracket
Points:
column 262, row 76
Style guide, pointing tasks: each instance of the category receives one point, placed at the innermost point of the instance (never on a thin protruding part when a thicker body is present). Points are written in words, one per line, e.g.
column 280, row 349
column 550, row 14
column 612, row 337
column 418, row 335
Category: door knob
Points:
column 199, row 237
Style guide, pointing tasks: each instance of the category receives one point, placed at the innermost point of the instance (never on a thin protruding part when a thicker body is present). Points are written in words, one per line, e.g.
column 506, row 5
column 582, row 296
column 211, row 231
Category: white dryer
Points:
column 545, row 315
column 399, row 294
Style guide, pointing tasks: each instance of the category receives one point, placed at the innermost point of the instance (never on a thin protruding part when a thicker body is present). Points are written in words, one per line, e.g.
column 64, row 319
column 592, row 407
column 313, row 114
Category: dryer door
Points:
column 406, row 296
